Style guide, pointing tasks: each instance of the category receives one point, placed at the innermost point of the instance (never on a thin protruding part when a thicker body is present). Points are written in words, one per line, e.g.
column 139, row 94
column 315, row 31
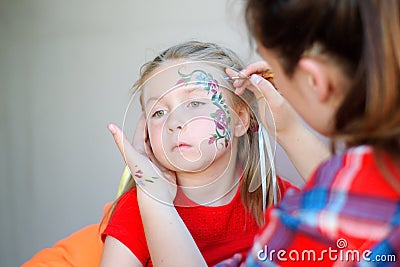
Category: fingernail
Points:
column 255, row 79
column 111, row 128
column 237, row 83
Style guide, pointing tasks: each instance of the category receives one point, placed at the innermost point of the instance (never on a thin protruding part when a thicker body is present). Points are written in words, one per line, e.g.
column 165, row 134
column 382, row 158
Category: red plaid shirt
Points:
column 348, row 214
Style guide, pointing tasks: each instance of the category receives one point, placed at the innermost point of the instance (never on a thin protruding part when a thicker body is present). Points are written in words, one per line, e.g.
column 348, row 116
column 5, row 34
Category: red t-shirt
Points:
column 219, row 232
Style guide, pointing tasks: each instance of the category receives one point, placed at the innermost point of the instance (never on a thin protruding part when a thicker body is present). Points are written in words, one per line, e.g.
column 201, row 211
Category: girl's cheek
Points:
column 155, row 125
column 154, row 131
column 203, row 125
column 155, row 138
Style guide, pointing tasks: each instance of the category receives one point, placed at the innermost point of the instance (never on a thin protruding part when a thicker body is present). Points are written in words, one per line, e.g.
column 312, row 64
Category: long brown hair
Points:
column 362, row 37
column 248, row 147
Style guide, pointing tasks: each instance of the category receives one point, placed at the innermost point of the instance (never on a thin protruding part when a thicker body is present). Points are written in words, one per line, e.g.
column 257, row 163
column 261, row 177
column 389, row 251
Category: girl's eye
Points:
column 159, row 113
column 195, row 104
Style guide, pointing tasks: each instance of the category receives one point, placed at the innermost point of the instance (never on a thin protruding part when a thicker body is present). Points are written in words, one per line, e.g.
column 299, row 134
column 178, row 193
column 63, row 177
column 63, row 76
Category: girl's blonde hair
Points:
column 248, row 145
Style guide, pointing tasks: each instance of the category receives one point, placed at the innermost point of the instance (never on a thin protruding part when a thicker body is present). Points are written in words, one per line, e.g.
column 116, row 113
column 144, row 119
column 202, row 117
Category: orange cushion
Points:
column 82, row 248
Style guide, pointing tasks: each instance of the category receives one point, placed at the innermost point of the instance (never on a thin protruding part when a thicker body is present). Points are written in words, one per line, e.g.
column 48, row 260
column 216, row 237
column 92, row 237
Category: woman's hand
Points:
column 277, row 116
column 150, row 177
column 305, row 150
column 235, row 261
column 253, row 68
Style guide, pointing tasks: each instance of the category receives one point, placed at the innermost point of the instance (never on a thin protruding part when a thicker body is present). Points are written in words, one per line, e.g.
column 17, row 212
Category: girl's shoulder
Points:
column 126, row 225
column 128, row 196
column 125, row 214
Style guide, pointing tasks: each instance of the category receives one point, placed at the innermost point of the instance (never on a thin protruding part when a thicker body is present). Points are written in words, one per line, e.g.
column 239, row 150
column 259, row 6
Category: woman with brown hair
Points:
column 337, row 63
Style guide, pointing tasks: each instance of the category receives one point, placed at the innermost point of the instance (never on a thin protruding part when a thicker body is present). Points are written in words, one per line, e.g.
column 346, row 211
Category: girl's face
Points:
column 188, row 117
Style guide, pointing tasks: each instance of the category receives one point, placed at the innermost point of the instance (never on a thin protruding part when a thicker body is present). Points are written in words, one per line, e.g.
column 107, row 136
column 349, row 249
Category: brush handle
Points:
column 266, row 75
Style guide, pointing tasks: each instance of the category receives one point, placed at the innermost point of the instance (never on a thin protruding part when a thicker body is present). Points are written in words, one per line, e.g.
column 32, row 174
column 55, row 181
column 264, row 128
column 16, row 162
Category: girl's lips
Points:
column 182, row 146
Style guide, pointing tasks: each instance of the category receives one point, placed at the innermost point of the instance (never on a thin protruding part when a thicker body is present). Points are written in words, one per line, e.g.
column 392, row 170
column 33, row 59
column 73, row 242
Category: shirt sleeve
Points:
column 126, row 226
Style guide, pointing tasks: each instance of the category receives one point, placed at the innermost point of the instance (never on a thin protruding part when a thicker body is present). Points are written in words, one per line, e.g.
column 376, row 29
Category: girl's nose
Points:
column 175, row 121
column 172, row 128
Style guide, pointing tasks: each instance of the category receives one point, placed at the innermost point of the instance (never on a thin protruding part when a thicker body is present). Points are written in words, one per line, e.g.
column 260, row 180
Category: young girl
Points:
column 205, row 136
column 338, row 64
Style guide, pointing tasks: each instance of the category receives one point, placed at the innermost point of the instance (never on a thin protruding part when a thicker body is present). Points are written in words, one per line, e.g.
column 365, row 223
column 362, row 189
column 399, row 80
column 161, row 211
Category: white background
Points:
column 66, row 69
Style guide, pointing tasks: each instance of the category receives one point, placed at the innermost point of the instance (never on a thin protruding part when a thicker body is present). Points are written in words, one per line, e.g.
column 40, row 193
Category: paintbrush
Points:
column 268, row 75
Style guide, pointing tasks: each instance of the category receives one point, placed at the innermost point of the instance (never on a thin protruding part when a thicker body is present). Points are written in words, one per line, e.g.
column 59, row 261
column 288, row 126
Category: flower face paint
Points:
column 186, row 113
column 221, row 116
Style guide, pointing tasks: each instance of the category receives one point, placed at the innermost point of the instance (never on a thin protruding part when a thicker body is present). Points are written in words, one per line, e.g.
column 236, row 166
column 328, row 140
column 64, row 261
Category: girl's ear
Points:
column 243, row 121
column 315, row 77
